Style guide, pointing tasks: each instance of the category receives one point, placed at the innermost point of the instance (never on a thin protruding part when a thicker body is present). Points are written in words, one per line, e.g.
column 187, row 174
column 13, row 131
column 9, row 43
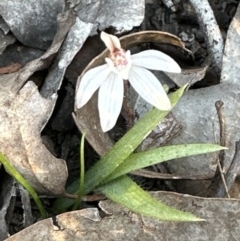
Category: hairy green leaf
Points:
column 161, row 154
column 119, row 152
column 127, row 144
column 128, row 194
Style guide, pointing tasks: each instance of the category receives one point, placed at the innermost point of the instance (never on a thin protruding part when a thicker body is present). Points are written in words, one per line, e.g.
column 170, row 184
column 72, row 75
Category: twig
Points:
column 88, row 198
column 222, row 127
column 218, row 184
column 167, row 176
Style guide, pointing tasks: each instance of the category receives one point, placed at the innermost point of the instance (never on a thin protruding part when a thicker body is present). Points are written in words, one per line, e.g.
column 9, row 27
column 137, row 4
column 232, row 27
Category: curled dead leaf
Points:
column 23, row 115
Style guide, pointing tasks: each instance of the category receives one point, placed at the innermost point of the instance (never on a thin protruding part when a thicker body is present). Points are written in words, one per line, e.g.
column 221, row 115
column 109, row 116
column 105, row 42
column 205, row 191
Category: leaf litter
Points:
column 20, row 99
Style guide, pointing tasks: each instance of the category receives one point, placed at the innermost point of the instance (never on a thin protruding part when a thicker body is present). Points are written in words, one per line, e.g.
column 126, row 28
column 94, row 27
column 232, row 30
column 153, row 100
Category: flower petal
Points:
column 110, row 41
column 110, row 98
column 90, row 82
column 149, row 87
column 156, row 60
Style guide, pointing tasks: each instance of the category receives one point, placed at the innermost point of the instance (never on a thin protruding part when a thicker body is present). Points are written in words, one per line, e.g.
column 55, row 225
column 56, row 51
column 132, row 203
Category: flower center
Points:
column 118, row 58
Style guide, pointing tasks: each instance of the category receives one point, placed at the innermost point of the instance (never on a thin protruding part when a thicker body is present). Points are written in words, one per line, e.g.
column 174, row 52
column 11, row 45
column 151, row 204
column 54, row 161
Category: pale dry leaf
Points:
column 22, row 118
column 222, row 222
column 76, row 37
column 23, row 115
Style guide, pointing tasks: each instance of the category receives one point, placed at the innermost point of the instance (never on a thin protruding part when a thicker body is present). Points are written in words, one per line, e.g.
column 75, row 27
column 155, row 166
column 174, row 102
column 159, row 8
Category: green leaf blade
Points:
column 153, row 156
column 128, row 194
column 120, row 151
column 126, row 145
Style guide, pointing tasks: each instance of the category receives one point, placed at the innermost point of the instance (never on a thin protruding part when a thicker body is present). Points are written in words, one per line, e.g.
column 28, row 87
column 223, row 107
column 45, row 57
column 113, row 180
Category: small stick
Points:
column 222, row 127
column 167, row 176
column 218, row 184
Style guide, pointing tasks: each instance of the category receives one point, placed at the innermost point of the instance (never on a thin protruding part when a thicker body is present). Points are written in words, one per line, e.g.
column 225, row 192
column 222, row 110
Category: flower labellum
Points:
column 121, row 65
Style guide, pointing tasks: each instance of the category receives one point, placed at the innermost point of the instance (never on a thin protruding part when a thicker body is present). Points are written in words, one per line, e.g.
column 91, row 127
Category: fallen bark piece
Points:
column 118, row 223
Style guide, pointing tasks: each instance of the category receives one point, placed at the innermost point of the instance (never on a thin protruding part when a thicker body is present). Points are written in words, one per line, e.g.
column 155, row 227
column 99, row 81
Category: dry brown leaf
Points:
column 24, row 113
column 222, row 223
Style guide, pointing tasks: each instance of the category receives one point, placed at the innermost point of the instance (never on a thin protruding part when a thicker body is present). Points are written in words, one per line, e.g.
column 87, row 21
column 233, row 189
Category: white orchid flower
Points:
column 121, row 65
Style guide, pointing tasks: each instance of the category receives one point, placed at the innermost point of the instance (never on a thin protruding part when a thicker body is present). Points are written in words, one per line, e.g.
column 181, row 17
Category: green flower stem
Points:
column 82, row 174
column 13, row 171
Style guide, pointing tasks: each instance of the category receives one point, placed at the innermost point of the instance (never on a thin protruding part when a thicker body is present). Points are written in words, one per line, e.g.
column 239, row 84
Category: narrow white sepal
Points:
column 110, row 98
column 90, row 82
column 110, row 41
column 156, row 60
column 149, row 88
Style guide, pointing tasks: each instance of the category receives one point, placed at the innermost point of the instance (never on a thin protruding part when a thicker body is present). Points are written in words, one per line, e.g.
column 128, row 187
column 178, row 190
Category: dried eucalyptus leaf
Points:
column 72, row 44
column 87, row 118
column 29, row 18
column 24, row 113
column 222, row 222
column 21, row 123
